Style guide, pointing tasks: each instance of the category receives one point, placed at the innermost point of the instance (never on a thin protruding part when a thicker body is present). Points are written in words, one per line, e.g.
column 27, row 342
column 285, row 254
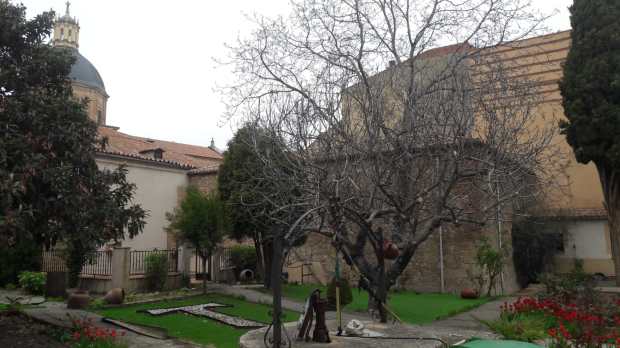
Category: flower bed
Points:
column 86, row 335
column 566, row 324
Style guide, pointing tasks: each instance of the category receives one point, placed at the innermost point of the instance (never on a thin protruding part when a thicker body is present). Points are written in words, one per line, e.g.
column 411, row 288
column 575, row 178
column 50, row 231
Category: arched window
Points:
column 62, row 33
column 69, row 37
column 99, row 117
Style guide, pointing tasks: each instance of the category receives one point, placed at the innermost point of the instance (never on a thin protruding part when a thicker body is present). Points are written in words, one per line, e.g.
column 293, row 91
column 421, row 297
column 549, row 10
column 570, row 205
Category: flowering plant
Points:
column 570, row 325
column 86, row 335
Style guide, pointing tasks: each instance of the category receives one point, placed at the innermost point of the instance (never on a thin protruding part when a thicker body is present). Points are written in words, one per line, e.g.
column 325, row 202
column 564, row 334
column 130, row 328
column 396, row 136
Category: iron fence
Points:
column 196, row 268
column 137, row 260
column 97, row 264
column 53, row 261
column 226, row 259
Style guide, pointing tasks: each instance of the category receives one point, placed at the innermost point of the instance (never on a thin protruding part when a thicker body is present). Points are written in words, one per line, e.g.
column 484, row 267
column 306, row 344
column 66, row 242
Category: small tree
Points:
column 254, row 191
column 202, row 221
column 592, row 103
column 390, row 139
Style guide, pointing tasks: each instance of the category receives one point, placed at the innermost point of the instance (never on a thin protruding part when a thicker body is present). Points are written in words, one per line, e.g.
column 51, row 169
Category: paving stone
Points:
column 203, row 310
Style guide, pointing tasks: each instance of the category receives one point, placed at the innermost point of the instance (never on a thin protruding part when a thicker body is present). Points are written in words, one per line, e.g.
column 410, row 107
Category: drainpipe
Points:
column 441, row 261
column 441, row 265
column 499, row 234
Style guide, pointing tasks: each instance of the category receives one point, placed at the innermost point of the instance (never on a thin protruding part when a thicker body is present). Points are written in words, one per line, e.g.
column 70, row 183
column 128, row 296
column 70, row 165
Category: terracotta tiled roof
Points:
column 574, row 214
column 149, row 159
column 444, row 50
column 189, row 156
column 204, row 170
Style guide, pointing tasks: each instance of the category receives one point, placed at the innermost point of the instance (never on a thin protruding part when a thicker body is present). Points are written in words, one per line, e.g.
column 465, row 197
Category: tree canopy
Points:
column 396, row 120
column 51, row 189
column 591, row 98
column 257, row 181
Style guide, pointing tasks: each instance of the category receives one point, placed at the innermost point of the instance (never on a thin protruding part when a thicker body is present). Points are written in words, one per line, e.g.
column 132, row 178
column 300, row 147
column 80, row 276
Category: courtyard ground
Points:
column 19, row 330
column 411, row 307
column 251, row 304
column 197, row 329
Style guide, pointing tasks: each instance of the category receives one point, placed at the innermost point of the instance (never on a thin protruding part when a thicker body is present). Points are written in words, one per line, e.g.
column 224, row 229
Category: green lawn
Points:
column 199, row 330
column 410, row 307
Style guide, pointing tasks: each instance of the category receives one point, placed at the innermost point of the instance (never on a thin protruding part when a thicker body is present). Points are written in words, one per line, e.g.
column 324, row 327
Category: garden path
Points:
column 259, row 297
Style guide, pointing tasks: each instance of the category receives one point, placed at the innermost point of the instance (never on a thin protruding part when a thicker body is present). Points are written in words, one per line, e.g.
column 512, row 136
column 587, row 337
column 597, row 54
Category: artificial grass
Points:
column 193, row 328
column 411, row 307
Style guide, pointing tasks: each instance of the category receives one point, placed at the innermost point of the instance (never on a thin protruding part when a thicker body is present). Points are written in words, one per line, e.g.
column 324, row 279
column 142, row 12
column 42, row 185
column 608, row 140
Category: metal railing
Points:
column 226, row 259
column 53, row 261
column 98, row 264
column 137, row 260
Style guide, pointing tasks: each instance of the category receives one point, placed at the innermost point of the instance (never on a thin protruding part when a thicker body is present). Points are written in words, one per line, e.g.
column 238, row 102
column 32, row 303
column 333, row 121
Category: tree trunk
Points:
column 268, row 251
column 276, row 283
column 610, row 182
column 204, row 273
column 382, row 290
column 614, row 234
column 260, row 260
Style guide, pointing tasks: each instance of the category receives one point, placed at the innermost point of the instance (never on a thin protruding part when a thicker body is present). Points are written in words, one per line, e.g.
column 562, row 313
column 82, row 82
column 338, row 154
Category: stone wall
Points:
column 423, row 274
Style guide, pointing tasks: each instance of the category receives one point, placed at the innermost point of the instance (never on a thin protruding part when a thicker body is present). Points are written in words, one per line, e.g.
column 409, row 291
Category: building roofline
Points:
column 151, row 161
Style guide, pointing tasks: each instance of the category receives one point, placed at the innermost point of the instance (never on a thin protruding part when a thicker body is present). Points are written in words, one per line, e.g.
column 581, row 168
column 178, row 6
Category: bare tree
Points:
column 394, row 136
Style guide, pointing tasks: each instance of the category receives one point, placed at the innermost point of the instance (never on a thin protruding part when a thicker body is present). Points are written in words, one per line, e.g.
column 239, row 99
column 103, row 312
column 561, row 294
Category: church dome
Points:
column 84, row 72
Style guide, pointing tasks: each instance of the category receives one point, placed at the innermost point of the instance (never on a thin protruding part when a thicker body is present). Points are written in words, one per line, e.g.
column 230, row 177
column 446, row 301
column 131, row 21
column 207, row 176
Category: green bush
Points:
column 243, row 257
column 575, row 286
column 522, row 327
column 24, row 255
column 156, row 271
column 32, row 282
column 346, row 295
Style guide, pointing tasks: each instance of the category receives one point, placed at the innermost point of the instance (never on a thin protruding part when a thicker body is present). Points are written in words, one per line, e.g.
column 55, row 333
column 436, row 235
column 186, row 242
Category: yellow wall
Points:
column 540, row 59
column 97, row 101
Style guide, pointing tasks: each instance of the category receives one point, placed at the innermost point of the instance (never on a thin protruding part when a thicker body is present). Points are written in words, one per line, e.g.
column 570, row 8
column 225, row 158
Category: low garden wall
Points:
column 125, row 268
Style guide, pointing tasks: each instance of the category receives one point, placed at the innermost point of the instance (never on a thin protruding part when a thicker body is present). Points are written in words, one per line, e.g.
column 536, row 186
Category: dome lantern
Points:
column 66, row 30
column 85, row 79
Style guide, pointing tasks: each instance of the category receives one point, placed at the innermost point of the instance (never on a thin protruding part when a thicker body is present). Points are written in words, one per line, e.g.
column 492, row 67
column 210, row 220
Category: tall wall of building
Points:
column 157, row 191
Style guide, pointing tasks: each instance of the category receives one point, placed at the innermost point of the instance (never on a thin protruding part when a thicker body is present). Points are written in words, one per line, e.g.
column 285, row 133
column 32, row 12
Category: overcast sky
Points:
column 156, row 58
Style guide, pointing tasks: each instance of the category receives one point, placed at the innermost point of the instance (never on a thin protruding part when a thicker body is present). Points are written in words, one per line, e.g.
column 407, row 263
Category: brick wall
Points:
column 205, row 182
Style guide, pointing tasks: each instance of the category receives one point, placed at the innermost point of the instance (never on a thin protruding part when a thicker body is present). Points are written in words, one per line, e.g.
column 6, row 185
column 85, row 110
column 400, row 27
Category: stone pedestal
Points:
column 120, row 268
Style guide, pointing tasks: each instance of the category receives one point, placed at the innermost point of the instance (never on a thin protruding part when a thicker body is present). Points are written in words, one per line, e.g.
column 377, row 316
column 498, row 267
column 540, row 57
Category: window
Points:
column 62, row 33
column 99, row 117
column 158, row 154
column 69, row 33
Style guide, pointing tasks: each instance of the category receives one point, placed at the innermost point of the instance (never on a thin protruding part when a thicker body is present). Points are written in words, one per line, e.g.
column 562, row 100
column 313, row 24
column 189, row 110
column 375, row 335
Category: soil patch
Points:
column 21, row 331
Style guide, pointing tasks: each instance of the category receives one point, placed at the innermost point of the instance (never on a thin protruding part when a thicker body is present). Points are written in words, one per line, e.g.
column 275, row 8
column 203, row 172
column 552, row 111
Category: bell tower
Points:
column 66, row 30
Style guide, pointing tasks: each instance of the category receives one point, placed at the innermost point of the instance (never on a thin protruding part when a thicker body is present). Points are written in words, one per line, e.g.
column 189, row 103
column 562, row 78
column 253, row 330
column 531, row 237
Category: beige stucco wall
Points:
column 157, row 192
column 589, row 242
